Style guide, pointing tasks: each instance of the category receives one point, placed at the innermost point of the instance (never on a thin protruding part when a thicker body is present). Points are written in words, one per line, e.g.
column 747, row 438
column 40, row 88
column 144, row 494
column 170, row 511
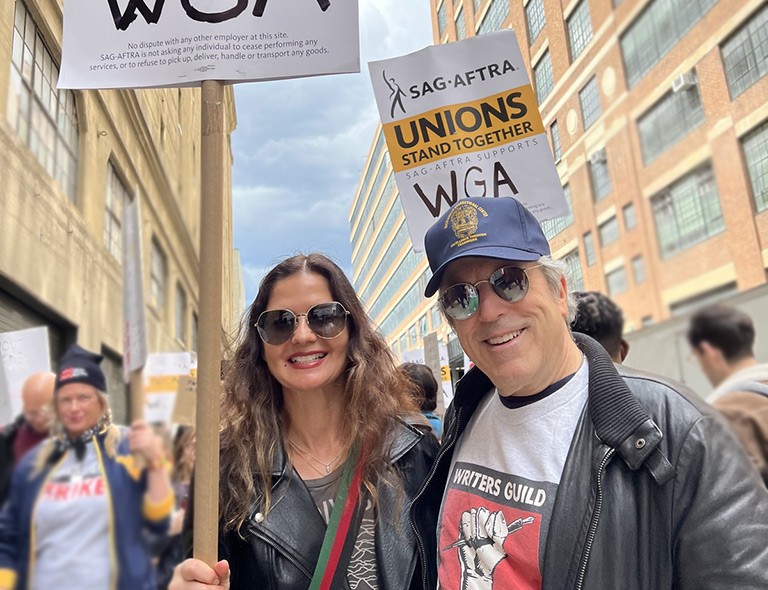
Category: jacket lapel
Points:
column 294, row 526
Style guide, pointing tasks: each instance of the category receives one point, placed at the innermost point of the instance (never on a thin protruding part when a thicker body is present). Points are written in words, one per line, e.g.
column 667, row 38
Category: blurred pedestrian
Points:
column 30, row 427
column 426, row 393
column 722, row 339
column 313, row 420
column 79, row 501
column 558, row 468
column 170, row 549
column 599, row 317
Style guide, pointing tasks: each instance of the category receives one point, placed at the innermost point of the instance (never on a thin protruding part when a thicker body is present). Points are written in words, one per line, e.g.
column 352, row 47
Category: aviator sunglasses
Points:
column 461, row 301
column 327, row 320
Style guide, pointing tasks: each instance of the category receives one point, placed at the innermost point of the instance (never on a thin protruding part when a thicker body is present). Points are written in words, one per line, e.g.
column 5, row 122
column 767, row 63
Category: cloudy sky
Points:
column 300, row 146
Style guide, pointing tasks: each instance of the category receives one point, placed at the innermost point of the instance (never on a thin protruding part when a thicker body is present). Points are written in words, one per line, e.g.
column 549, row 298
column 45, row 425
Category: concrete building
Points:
column 657, row 115
column 69, row 162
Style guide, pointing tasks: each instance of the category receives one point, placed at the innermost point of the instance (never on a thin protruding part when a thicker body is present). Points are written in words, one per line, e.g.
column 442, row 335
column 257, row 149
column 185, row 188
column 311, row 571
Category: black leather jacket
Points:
column 280, row 551
column 655, row 494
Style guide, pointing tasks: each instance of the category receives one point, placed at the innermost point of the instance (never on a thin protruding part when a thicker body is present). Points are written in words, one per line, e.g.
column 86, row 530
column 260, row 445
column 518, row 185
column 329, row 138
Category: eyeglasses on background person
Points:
column 326, row 320
column 461, row 301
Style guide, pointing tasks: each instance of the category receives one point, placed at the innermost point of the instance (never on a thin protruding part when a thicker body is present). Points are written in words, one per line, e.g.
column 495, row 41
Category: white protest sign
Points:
column 22, row 353
column 461, row 120
column 413, row 356
column 162, row 373
column 445, row 374
column 140, row 43
column 134, row 328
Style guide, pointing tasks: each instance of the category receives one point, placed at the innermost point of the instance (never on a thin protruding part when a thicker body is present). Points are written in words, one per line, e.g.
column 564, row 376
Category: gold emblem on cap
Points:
column 464, row 221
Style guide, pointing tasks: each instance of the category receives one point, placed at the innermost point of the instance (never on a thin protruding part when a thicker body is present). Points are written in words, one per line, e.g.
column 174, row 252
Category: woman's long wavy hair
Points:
column 253, row 422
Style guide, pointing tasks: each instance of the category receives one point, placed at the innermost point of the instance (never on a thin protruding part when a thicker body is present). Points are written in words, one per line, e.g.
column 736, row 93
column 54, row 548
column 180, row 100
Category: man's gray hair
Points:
column 553, row 271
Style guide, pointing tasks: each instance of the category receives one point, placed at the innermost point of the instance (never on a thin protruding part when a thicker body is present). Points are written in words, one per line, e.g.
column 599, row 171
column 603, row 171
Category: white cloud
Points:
column 300, row 146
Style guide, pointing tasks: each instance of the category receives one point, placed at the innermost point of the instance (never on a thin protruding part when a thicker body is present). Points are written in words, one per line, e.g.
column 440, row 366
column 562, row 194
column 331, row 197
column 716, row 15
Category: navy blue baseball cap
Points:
column 493, row 227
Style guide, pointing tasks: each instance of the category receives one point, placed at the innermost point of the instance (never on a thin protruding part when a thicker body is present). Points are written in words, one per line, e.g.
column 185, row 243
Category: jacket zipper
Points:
column 593, row 522
column 422, row 552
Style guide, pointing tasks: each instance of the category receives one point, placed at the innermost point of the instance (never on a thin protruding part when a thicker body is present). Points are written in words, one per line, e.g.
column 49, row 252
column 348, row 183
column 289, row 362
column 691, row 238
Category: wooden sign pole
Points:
column 206, row 504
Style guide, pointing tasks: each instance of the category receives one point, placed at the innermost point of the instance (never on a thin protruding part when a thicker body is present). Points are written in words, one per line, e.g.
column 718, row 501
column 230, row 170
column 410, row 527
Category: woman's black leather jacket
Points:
column 280, row 551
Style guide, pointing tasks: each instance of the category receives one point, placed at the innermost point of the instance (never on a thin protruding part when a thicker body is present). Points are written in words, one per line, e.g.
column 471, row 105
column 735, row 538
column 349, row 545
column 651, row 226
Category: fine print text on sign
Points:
column 141, row 43
column 461, row 120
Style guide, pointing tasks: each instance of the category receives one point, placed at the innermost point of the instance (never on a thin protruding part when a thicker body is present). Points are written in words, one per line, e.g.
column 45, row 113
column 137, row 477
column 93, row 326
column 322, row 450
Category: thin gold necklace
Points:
column 310, row 458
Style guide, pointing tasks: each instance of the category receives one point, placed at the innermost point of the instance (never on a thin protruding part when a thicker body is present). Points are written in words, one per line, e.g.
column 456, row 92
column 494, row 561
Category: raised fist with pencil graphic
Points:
column 481, row 545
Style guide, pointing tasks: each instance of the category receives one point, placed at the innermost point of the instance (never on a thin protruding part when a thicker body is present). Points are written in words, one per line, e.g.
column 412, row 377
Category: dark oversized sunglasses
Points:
column 327, row 320
column 461, row 301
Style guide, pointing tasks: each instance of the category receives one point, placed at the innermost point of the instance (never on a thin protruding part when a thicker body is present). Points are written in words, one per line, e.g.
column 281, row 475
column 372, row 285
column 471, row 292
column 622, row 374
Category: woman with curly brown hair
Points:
column 318, row 467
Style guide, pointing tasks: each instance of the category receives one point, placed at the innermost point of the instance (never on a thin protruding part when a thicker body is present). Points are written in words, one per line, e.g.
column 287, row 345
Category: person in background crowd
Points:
column 599, row 317
column 316, row 458
column 426, row 392
column 79, row 501
column 29, row 428
column 558, row 468
column 170, row 549
column 183, row 465
column 722, row 339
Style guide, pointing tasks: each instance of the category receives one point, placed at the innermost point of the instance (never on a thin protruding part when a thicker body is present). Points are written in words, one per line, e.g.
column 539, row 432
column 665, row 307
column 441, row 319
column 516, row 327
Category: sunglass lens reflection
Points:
column 460, row 301
column 510, row 283
column 277, row 326
column 327, row 319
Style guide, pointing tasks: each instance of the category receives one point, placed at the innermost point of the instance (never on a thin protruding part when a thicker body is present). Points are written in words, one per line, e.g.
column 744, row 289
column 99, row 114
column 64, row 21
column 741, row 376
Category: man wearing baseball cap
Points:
column 559, row 469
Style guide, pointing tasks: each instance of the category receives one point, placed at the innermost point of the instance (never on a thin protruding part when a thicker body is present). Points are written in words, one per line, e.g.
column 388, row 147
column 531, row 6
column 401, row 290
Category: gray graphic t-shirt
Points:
column 361, row 572
column 71, row 527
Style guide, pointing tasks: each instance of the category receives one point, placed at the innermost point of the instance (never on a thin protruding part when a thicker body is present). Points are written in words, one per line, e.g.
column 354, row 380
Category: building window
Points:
column 412, row 336
column 554, row 132
column 630, row 218
column 195, row 332
column 755, row 146
column 687, row 212
column 656, row 31
column 423, row 327
column 552, row 227
column 494, row 17
column 745, row 54
column 116, row 199
column 542, row 74
column 573, row 272
column 579, row 29
column 461, row 25
column 599, row 175
column 476, row 4
column 157, row 274
column 670, row 120
column 436, row 317
column 609, row 231
column 534, row 18
column 638, row 269
column 44, row 118
column 403, row 343
column 181, row 315
column 441, row 18
column 617, row 281
column 589, row 100
column 589, row 248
